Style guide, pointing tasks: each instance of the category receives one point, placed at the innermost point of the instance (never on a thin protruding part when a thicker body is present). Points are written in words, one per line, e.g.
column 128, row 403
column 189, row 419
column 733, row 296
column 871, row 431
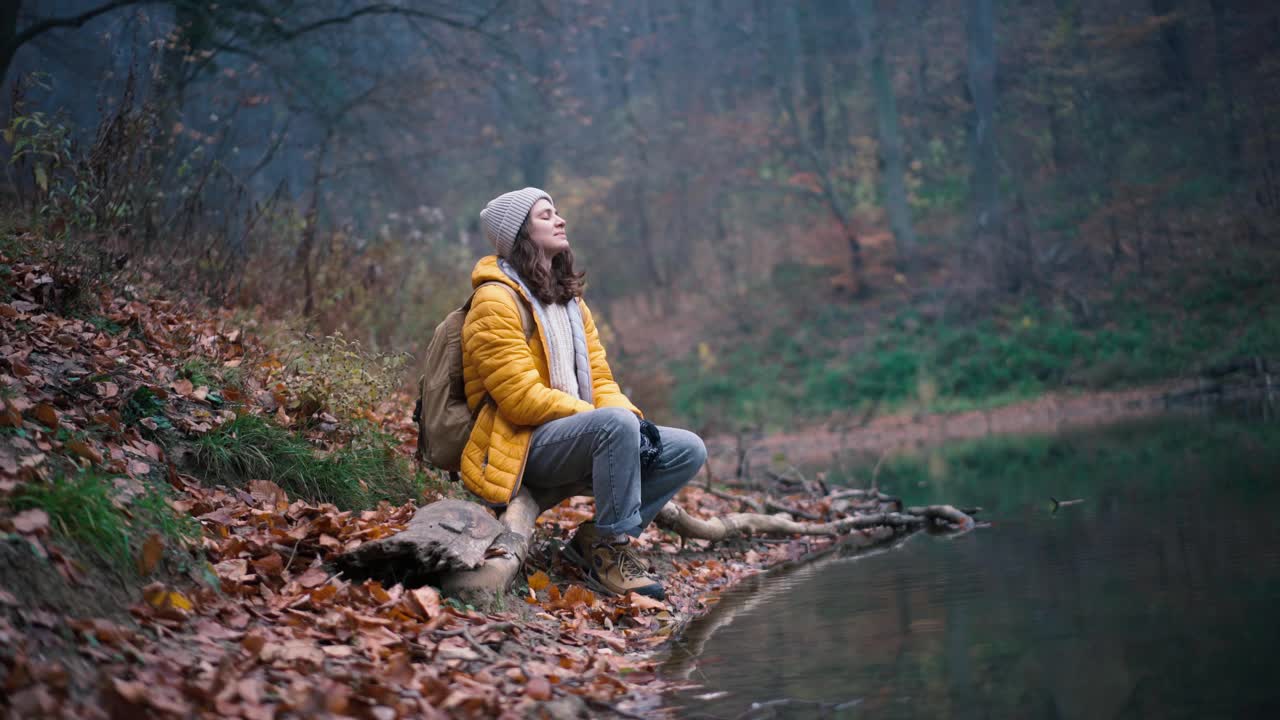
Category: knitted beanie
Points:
column 503, row 216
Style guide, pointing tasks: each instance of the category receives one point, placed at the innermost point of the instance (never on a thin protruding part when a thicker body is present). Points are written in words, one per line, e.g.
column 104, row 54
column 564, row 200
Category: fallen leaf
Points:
column 152, row 551
column 538, row 689
column 322, row 594
column 182, row 386
column 131, row 692
column 313, row 577
column 47, row 416
column 106, row 389
column 30, row 522
column 642, row 602
column 380, row 595
column 254, row 642
column 272, row 565
column 31, row 461
column 84, row 450
column 427, row 599
column 268, row 493
column 539, row 581
column 10, row 417
column 161, row 598
column 232, row 570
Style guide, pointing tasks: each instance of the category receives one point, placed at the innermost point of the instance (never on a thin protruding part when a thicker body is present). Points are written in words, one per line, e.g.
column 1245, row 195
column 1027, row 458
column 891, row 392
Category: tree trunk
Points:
column 893, row 166
column 1173, row 48
column 984, row 185
column 8, row 34
column 1226, row 90
column 813, row 100
column 787, row 93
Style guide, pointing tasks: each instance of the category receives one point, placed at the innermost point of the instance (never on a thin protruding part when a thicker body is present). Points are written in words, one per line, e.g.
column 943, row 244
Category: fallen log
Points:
column 466, row 552
column 455, row 545
column 445, row 536
column 505, row 558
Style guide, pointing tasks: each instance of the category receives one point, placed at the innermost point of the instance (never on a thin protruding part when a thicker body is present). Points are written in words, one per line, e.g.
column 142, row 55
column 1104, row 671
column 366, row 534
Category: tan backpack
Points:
column 444, row 420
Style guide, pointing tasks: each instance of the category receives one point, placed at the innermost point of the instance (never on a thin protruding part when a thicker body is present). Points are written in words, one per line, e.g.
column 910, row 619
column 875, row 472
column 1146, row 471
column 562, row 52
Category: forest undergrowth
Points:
column 175, row 482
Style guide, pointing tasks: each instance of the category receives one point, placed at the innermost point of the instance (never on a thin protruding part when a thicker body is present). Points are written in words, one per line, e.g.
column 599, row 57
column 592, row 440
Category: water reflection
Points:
column 1154, row 598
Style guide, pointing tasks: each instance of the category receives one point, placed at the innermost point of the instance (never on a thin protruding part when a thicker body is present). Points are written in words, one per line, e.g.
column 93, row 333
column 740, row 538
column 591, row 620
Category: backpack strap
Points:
column 526, row 316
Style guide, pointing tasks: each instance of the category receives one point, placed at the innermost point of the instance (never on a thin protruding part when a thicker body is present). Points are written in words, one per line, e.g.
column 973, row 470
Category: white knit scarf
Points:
column 558, row 347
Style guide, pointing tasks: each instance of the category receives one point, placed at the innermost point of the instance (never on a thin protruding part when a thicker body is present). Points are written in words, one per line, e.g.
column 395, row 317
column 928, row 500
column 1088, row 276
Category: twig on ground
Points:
column 743, row 499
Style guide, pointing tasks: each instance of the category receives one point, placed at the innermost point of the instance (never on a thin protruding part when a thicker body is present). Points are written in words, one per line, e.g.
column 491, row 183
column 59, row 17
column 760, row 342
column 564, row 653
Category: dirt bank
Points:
column 825, row 441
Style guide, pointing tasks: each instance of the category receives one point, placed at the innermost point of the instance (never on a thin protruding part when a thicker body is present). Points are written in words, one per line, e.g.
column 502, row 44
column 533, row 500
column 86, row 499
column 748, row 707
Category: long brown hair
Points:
column 561, row 284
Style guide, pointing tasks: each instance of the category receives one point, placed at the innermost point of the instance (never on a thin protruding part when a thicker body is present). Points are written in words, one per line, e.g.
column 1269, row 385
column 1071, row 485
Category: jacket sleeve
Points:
column 493, row 340
column 603, row 387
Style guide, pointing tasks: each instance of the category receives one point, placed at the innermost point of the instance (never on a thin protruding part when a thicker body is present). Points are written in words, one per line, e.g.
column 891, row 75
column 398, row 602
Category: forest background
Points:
column 803, row 209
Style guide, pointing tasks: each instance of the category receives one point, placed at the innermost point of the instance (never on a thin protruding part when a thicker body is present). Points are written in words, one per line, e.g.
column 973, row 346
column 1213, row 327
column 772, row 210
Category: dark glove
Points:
column 650, row 444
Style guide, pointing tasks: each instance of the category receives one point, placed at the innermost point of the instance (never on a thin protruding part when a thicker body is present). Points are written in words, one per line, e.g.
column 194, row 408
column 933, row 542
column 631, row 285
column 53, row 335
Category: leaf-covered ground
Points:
column 132, row 584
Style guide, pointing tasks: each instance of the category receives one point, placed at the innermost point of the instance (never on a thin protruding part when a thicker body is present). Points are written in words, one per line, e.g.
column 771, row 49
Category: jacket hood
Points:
column 487, row 270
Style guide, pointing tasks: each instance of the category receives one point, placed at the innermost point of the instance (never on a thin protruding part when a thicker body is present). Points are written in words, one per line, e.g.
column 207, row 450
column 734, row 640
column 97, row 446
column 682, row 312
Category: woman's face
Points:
column 546, row 228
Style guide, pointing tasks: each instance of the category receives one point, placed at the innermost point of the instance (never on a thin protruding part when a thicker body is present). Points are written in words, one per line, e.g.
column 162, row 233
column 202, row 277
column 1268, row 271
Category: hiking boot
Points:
column 611, row 563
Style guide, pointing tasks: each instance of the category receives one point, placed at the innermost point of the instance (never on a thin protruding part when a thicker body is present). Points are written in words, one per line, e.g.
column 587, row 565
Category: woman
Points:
column 549, row 415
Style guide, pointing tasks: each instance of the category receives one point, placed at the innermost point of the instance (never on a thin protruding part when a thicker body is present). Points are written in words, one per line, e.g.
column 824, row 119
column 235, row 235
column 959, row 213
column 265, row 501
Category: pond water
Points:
column 1156, row 597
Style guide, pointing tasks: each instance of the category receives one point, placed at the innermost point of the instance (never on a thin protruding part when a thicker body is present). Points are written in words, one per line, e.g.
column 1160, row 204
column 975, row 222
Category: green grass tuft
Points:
column 80, row 508
column 83, row 508
column 357, row 476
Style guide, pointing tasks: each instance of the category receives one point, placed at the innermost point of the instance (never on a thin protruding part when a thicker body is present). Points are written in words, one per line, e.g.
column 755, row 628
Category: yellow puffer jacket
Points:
column 496, row 360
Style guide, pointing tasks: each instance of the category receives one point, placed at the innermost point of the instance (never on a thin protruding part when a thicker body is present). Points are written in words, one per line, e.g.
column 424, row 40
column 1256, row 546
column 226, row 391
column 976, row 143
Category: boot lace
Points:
column 629, row 565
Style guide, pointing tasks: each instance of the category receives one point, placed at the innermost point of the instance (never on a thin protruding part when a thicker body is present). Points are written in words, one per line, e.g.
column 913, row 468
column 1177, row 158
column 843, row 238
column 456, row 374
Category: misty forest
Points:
column 1003, row 271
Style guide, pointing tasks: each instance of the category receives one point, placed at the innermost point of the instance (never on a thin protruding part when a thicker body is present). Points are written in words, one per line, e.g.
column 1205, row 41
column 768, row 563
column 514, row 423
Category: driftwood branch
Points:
column 674, row 518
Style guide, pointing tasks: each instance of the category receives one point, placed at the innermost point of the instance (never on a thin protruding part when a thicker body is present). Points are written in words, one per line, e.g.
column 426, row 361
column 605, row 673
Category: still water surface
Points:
column 1157, row 597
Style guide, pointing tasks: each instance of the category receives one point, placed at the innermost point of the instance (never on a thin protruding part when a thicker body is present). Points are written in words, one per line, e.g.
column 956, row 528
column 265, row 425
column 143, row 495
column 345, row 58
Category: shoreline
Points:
column 826, row 441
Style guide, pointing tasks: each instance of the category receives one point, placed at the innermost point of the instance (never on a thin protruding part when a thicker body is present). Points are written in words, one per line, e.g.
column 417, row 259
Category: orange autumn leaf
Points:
column 427, row 600
column 47, row 416
column 254, row 642
column 271, row 565
column 642, row 602
column 539, row 581
column 376, row 590
column 577, row 594
column 84, row 450
column 152, row 551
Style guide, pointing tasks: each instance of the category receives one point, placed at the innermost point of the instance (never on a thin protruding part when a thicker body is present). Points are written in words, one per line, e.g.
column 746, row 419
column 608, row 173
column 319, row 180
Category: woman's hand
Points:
column 650, row 444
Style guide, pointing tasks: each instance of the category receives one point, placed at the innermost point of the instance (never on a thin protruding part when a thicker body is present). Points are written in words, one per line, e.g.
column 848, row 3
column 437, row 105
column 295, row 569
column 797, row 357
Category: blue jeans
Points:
column 599, row 451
